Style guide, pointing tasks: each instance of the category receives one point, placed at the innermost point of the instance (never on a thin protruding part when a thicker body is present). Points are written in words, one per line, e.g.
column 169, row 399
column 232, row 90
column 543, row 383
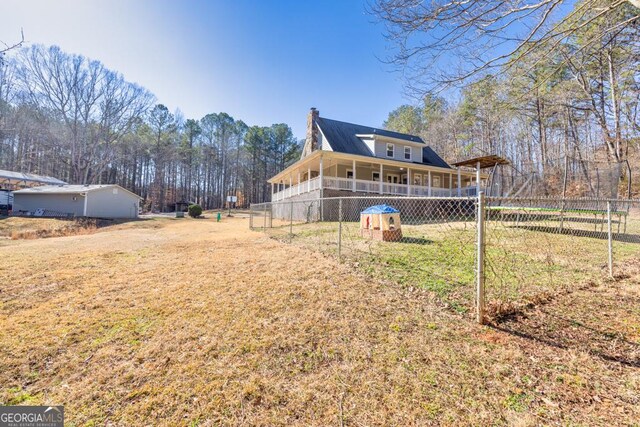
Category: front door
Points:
column 393, row 178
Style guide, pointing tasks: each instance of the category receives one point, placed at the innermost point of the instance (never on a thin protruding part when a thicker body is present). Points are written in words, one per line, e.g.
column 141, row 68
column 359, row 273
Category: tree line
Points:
column 564, row 100
column 70, row 117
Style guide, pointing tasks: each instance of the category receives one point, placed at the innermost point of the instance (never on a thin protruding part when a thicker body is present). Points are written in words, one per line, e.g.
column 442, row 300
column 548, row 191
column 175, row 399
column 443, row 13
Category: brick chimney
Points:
column 311, row 142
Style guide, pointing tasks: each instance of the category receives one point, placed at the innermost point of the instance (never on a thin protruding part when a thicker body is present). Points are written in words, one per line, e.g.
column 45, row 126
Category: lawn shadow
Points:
column 566, row 333
column 602, row 235
column 416, row 240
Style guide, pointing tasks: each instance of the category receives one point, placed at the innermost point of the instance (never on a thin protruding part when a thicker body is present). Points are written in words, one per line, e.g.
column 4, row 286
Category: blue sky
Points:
column 261, row 61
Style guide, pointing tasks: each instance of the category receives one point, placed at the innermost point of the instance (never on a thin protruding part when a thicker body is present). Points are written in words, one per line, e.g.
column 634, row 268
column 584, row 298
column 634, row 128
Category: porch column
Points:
column 272, row 192
column 308, row 179
column 478, row 182
column 299, row 182
column 408, row 182
column 353, row 176
column 429, row 177
column 321, row 172
column 381, row 178
column 450, row 184
column 290, row 185
column 459, row 183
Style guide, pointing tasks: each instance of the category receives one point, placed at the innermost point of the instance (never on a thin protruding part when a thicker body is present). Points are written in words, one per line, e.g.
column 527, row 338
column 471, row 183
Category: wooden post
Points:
column 381, row 178
column 478, row 180
column 564, row 192
column 264, row 226
column 408, row 182
column 299, row 183
column 610, row 235
column 459, row 182
column 450, row 184
column 480, row 262
column 429, row 178
column 308, row 179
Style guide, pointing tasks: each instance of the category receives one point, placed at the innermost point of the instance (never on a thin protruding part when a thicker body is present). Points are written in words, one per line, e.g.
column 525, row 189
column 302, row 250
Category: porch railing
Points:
column 363, row 186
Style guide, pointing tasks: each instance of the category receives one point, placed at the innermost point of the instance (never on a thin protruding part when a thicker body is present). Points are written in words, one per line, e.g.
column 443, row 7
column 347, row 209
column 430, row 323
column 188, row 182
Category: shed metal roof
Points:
column 12, row 177
column 484, row 161
column 69, row 189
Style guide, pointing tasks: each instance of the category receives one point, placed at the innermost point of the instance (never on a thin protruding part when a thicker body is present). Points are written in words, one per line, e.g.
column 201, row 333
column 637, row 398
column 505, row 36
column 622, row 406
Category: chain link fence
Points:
column 488, row 254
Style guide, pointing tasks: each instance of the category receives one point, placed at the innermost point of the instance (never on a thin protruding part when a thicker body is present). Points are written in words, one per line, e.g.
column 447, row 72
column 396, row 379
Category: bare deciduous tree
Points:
column 447, row 42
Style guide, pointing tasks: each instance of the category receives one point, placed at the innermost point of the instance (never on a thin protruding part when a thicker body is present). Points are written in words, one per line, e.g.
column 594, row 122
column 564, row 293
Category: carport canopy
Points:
column 10, row 180
column 484, row 162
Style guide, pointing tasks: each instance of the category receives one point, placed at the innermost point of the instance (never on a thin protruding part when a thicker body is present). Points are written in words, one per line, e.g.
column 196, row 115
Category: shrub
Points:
column 195, row 211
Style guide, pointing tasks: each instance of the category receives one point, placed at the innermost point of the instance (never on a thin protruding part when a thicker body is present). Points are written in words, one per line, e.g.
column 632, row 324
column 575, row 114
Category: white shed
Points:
column 96, row 201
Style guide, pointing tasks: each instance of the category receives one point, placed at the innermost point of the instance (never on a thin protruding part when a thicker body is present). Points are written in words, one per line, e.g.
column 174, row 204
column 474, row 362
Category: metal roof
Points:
column 485, row 161
column 69, row 189
column 27, row 179
column 343, row 138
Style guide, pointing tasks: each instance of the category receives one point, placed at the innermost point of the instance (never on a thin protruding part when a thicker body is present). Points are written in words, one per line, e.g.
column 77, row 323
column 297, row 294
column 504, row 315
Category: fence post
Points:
column 480, row 252
column 339, row 228
column 291, row 222
column 264, row 225
column 610, row 234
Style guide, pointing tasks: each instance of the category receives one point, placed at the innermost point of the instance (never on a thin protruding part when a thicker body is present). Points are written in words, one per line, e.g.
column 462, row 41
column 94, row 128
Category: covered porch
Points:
column 360, row 174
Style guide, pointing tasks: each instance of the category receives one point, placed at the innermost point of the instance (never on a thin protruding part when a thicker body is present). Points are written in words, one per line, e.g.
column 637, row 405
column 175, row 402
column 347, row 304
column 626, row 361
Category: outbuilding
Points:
column 95, row 201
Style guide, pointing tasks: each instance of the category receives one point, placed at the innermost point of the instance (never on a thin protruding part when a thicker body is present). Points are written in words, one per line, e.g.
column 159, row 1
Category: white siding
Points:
column 398, row 151
column 370, row 144
column 323, row 143
column 71, row 203
column 112, row 202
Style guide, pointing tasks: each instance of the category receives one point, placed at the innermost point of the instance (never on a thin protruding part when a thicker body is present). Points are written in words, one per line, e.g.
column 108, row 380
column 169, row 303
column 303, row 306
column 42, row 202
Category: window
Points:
column 436, row 181
column 375, row 176
column 407, row 153
column 390, row 150
column 349, row 174
column 417, row 179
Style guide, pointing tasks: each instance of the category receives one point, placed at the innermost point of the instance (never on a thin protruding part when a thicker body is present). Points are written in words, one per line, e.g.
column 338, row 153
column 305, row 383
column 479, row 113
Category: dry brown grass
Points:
column 17, row 228
column 193, row 322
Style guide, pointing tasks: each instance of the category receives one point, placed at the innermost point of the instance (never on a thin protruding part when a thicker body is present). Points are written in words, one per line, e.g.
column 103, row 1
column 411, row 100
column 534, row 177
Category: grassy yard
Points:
column 526, row 261
column 198, row 323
